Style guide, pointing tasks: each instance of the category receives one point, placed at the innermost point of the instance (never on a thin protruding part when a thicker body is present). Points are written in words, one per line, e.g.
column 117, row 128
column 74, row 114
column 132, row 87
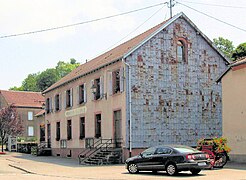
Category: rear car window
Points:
column 186, row 150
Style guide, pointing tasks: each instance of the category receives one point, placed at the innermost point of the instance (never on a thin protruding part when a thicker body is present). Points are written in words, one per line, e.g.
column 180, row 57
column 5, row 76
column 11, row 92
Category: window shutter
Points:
column 92, row 95
column 50, row 104
column 55, row 103
column 110, row 85
column 121, row 79
column 60, row 101
column 71, row 96
column 78, row 95
column 101, row 86
column 65, row 99
column 85, row 96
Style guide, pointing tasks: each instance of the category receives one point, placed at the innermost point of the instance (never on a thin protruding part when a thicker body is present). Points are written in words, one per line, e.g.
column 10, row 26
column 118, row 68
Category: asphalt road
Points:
column 15, row 166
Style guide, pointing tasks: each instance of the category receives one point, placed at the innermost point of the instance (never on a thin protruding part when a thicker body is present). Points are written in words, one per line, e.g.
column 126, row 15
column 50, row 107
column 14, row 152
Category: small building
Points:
column 27, row 104
column 234, row 108
column 157, row 88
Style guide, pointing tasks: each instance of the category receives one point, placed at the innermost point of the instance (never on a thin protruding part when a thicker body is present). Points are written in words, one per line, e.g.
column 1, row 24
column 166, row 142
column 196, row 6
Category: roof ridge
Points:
column 107, row 55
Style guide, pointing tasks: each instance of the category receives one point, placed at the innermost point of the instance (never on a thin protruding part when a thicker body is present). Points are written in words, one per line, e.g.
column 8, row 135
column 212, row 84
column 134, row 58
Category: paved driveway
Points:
column 22, row 166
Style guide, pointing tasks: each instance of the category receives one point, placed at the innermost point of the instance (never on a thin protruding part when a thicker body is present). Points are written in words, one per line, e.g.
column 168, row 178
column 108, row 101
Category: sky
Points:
column 23, row 55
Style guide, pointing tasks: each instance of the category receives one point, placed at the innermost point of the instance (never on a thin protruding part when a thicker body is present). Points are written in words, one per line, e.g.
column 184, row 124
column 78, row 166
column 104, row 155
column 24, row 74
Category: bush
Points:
column 219, row 144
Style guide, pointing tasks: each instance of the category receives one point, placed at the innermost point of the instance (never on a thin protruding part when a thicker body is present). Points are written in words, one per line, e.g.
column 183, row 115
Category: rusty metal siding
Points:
column 175, row 102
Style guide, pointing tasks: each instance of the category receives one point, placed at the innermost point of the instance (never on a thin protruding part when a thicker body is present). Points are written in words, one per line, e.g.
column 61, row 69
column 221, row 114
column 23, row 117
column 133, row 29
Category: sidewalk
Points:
column 25, row 166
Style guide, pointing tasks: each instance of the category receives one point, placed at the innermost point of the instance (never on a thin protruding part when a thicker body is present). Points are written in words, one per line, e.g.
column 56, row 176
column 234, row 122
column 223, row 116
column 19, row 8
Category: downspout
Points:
column 130, row 108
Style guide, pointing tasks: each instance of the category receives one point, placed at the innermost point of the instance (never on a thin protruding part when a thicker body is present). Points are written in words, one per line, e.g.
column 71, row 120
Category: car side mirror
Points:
column 141, row 154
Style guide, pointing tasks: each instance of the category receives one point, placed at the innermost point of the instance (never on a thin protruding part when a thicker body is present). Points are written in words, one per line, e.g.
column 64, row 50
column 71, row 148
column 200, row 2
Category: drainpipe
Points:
column 130, row 108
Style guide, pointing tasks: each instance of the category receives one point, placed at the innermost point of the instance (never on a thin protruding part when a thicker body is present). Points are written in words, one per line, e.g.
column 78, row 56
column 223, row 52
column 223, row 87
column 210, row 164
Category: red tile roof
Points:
column 23, row 98
column 239, row 61
column 108, row 57
column 40, row 113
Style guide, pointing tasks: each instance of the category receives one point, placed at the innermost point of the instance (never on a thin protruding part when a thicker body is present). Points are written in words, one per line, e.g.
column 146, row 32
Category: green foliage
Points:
column 63, row 68
column 240, row 51
column 47, row 78
column 27, row 139
column 224, row 45
column 219, row 144
column 40, row 81
column 15, row 88
column 29, row 84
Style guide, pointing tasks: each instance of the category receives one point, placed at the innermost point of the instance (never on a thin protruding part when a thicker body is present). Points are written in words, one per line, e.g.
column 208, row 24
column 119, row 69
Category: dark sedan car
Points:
column 170, row 158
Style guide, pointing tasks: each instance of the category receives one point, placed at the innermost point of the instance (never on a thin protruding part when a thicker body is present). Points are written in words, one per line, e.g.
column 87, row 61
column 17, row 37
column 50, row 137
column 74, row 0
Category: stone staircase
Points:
column 103, row 152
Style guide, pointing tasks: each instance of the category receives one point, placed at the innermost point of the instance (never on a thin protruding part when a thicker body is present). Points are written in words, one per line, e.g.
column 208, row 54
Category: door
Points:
column 117, row 128
column 147, row 160
column 48, row 136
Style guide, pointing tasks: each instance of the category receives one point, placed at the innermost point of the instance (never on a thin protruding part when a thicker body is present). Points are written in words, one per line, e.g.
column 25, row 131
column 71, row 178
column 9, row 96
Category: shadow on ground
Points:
column 235, row 165
column 164, row 174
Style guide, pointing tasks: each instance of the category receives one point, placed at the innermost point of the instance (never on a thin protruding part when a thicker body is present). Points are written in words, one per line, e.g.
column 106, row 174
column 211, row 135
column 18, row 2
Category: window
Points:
column 163, row 151
column 63, row 143
column 82, row 93
column 48, row 105
column 82, row 128
column 42, row 132
column 69, row 98
column 116, row 81
column 149, row 152
column 57, row 102
column 30, row 116
column 69, row 129
column 181, row 51
column 58, row 131
column 97, row 85
column 98, row 126
column 30, row 131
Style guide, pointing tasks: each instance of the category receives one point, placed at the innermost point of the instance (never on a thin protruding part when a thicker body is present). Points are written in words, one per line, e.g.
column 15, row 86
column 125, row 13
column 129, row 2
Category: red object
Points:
column 2, row 153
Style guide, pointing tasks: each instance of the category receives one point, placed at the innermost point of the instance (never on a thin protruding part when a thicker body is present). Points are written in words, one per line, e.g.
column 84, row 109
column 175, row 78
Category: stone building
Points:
column 27, row 104
column 234, row 108
column 157, row 88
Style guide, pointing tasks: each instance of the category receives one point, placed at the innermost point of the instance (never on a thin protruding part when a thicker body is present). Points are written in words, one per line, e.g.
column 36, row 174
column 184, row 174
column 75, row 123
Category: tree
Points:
column 10, row 123
column 47, row 78
column 30, row 83
column 240, row 51
column 37, row 82
column 225, row 45
column 64, row 68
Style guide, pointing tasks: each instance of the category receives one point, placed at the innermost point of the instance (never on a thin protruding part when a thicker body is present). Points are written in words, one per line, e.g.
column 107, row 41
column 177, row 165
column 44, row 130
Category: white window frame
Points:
column 30, row 115
column 30, row 131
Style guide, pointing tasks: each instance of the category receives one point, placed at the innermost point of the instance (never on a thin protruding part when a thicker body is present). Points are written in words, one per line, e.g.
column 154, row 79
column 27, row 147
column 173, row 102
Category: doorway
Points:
column 117, row 128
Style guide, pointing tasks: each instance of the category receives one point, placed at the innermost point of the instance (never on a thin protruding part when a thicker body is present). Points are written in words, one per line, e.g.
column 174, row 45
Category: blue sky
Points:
column 22, row 55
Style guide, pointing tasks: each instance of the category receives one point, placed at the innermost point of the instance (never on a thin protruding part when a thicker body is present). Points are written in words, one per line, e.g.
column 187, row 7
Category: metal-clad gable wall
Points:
column 175, row 102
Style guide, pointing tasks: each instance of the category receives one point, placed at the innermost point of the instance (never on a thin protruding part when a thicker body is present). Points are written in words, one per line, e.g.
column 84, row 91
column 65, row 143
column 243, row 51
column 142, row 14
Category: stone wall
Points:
column 175, row 102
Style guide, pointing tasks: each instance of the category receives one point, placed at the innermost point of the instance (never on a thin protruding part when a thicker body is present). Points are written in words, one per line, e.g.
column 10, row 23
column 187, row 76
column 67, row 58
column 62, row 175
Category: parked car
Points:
column 169, row 158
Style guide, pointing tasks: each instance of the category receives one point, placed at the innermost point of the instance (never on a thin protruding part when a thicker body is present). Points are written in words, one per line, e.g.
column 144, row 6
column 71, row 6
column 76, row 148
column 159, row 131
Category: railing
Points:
column 42, row 146
column 99, row 145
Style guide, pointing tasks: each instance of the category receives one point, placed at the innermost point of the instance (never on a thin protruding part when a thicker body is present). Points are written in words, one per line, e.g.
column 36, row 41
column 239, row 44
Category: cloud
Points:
column 24, row 16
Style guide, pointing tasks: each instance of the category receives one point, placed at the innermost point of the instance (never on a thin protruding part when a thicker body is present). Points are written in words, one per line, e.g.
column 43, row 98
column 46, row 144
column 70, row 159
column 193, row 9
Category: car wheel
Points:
column 132, row 168
column 195, row 171
column 171, row 169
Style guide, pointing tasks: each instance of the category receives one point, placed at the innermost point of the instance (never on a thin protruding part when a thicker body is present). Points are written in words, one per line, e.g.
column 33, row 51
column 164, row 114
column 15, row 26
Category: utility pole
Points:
column 171, row 14
column 171, row 4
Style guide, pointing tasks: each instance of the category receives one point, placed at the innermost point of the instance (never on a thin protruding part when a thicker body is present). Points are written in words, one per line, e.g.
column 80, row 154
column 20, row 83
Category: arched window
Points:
column 180, row 51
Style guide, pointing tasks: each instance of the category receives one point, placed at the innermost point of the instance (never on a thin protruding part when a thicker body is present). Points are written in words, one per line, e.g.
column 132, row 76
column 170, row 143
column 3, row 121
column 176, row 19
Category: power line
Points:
column 212, row 17
column 134, row 29
column 218, row 5
column 80, row 23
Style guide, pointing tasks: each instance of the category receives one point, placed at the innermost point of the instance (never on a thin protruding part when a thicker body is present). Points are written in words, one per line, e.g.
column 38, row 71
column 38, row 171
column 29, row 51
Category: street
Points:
column 24, row 166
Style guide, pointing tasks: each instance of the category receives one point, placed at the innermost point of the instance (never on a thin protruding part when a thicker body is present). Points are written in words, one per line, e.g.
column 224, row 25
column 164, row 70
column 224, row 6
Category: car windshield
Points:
column 185, row 149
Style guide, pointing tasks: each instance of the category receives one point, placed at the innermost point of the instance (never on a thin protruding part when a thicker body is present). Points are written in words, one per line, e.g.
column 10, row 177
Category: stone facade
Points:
column 173, row 95
column 175, row 102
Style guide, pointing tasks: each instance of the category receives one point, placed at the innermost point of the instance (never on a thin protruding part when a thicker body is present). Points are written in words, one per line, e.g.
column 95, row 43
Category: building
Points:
column 27, row 104
column 157, row 88
column 234, row 108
